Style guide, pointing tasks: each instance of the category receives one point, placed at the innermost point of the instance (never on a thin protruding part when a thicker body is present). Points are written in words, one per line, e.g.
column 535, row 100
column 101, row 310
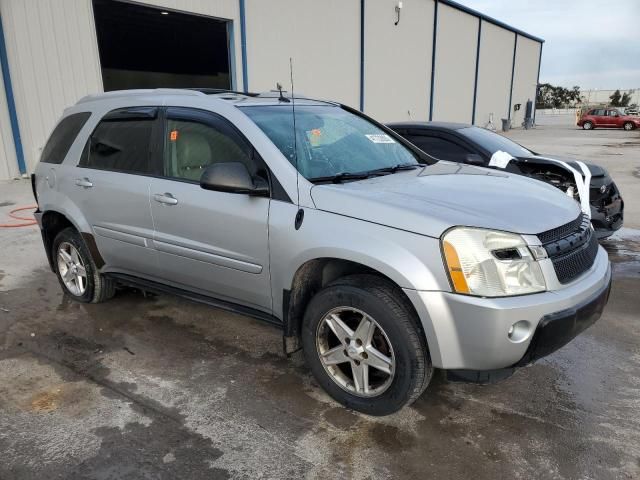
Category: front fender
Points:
column 410, row 260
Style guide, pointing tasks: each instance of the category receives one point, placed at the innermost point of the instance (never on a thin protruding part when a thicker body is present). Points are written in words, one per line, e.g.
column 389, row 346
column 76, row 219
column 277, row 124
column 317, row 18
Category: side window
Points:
column 440, row 148
column 122, row 143
column 599, row 112
column 612, row 113
column 62, row 137
column 199, row 139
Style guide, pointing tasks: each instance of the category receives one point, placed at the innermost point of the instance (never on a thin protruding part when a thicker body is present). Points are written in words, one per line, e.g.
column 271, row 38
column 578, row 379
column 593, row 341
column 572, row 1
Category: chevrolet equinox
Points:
column 377, row 260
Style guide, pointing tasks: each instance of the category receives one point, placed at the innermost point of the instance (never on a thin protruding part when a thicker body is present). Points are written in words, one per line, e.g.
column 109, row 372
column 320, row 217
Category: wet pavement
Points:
column 160, row 388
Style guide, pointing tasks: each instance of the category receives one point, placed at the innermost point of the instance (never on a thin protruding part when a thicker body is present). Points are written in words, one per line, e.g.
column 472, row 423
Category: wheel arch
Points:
column 313, row 275
column 53, row 222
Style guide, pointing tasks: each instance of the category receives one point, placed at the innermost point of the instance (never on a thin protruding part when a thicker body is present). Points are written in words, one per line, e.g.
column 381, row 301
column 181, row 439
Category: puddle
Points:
column 623, row 248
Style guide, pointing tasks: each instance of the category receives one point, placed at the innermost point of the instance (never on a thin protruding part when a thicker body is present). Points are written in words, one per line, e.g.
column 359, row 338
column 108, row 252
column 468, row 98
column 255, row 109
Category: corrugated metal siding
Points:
column 322, row 38
column 397, row 60
column 53, row 60
column 455, row 65
column 494, row 74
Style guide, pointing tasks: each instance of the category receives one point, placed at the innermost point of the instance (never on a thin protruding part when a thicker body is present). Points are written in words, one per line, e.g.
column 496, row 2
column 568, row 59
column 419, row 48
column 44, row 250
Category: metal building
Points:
column 429, row 59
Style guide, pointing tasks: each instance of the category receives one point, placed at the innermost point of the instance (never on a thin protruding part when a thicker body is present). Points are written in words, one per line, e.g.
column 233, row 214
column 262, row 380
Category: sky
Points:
column 589, row 43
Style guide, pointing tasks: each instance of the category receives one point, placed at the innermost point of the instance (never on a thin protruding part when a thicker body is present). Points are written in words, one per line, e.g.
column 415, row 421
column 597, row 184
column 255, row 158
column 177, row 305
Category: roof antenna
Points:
column 300, row 213
column 282, row 98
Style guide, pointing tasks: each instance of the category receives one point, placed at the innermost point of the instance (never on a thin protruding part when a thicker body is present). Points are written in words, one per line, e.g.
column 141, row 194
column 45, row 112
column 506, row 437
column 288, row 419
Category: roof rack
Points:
column 216, row 91
column 141, row 91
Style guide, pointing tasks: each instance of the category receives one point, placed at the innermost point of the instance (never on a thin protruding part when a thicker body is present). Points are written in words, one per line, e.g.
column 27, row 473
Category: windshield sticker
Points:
column 380, row 138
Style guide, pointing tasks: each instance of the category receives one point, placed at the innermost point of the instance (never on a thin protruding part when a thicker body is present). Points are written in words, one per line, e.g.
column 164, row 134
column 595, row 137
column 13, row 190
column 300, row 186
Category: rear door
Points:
column 111, row 187
column 215, row 243
column 600, row 117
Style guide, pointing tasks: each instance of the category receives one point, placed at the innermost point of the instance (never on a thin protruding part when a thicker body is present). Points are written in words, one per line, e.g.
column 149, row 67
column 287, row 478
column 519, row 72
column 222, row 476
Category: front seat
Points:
column 191, row 156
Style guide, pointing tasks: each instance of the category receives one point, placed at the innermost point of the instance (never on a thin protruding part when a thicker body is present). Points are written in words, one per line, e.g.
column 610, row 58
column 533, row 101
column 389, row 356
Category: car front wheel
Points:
column 629, row 126
column 587, row 125
column 363, row 343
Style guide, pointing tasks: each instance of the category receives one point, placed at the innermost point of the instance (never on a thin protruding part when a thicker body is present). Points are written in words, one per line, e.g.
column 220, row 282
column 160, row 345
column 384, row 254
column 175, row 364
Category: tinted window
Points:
column 612, row 113
column 440, row 147
column 492, row 142
column 195, row 143
column 599, row 112
column 122, row 145
column 62, row 137
column 328, row 139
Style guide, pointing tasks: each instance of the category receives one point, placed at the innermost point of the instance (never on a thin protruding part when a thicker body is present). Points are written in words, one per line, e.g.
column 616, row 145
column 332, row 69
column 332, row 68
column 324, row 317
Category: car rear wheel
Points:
column 628, row 126
column 587, row 125
column 362, row 341
column 76, row 271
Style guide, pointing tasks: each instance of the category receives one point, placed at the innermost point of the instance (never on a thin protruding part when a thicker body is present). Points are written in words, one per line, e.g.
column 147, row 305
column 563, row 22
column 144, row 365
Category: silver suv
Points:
column 380, row 262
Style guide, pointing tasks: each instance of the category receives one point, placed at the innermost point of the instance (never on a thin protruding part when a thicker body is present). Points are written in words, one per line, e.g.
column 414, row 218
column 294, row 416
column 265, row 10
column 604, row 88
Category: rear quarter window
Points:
column 62, row 138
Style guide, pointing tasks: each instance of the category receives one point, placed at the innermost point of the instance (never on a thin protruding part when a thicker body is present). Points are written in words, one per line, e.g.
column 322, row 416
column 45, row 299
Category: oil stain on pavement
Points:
column 157, row 387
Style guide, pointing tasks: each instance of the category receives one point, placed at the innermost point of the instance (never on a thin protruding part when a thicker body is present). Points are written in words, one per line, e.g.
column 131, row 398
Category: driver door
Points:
column 214, row 243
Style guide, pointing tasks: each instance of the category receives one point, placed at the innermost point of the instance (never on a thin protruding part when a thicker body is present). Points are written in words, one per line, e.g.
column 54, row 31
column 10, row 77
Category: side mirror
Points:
column 474, row 159
column 232, row 177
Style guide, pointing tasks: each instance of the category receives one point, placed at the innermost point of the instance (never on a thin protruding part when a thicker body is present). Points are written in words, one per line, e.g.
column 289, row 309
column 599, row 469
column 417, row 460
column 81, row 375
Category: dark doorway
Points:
column 146, row 47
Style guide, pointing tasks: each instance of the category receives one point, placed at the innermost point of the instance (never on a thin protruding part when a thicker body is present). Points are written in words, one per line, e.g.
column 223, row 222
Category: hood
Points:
column 596, row 170
column 428, row 201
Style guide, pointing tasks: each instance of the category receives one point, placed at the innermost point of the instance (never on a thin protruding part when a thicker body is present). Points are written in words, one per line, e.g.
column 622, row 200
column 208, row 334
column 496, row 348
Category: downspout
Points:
column 243, row 46
column 362, row 55
column 433, row 57
column 475, row 82
column 513, row 69
column 11, row 104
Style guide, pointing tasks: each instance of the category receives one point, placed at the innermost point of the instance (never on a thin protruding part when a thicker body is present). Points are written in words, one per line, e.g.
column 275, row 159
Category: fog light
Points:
column 519, row 331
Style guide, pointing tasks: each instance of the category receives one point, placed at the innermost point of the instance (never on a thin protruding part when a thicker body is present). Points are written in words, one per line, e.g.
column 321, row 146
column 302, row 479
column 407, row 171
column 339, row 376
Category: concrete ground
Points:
column 158, row 387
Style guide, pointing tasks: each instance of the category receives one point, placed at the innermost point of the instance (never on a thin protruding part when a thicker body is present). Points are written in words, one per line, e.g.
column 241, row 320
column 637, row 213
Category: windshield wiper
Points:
column 395, row 168
column 340, row 177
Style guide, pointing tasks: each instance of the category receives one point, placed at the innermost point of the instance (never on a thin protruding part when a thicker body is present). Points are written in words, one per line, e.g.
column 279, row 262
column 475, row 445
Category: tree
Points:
column 620, row 100
column 551, row 96
column 615, row 98
column 626, row 98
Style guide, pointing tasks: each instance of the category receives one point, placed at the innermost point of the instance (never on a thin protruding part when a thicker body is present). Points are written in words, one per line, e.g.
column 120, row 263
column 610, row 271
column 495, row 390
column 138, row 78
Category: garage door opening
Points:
column 145, row 47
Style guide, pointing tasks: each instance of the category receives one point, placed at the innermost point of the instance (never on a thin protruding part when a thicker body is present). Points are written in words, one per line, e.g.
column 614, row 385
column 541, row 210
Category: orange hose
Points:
column 26, row 222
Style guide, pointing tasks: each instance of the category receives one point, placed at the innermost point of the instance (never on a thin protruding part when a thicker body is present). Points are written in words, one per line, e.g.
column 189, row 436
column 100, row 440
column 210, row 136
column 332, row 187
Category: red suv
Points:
column 608, row 118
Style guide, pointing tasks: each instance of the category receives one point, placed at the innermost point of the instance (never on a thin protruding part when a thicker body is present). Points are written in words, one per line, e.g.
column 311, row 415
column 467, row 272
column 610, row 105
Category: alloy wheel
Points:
column 71, row 269
column 355, row 352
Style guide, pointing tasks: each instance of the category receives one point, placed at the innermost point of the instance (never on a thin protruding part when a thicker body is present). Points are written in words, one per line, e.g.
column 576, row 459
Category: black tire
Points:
column 388, row 306
column 628, row 126
column 587, row 125
column 99, row 288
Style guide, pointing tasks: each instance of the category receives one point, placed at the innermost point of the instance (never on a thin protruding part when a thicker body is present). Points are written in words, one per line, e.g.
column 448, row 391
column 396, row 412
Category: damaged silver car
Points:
column 377, row 260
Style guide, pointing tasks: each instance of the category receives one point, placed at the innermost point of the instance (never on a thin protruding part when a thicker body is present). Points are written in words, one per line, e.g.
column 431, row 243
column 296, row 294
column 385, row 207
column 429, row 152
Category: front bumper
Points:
column 471, row 333
column 557, row 329
column 607, row 212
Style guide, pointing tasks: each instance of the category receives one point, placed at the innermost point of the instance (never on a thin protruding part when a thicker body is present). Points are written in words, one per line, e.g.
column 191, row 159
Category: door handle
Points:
column 84, row 182
column 165, row 198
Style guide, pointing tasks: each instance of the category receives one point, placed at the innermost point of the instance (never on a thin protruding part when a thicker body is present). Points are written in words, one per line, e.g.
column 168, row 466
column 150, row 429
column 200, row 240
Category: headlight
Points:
column 490, row 264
